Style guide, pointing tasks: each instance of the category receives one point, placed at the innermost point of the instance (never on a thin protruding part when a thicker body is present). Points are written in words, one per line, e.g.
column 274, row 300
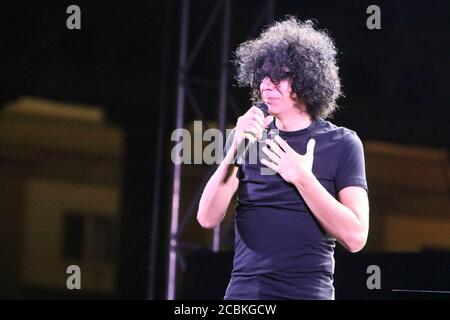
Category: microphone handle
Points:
column 245, row 145
column 242, row 150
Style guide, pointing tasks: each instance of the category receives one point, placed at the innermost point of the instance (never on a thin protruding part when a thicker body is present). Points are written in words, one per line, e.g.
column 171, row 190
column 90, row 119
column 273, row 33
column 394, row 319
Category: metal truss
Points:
column 222, row 10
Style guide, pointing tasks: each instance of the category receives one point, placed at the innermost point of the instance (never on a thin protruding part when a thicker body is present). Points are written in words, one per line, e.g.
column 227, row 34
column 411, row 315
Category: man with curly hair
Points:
column 287, row 223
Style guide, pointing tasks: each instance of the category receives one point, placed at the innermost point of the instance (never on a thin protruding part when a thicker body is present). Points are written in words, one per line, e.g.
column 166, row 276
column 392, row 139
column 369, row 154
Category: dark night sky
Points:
column 395, row 79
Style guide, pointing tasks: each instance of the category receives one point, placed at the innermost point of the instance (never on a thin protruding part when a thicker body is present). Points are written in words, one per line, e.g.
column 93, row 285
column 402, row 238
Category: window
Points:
column 74, row 235
column 90, row 237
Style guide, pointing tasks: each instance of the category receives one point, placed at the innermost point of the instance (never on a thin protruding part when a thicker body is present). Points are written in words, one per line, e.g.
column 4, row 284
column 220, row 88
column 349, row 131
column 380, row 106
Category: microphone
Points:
column 246, row 143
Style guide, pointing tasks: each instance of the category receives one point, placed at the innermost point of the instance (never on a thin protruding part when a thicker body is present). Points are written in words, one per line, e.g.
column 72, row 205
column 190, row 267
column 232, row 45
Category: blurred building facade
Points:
column 60, row 176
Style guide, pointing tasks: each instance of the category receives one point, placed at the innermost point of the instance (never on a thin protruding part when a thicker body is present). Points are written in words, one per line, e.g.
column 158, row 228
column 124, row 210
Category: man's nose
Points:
column 267, row 83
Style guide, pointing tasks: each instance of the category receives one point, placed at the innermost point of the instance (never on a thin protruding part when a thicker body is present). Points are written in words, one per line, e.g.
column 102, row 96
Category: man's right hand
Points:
column 251, row 125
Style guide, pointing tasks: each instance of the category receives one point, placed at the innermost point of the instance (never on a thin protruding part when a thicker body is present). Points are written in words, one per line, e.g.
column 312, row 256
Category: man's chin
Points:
column 272, row 108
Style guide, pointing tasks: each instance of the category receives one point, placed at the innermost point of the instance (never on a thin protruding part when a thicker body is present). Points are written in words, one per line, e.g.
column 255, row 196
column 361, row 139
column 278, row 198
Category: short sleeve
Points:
column 351, row 169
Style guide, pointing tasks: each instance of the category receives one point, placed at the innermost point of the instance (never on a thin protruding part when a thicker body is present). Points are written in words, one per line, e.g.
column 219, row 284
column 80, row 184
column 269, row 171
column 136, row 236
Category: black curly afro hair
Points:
column 293, row 50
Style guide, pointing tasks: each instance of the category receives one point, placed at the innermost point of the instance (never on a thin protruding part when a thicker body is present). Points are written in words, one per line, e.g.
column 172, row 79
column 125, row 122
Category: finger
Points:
column 267, row 120
column 259, row 130
column 249, row 135
column 283, row 144
column 253, row 111
column 247, row 120
column 257, row 111
column 259, row 121
column 269, row 164
column 272, row 156
column 274, row 147
column 310, row 147
column 254, row 129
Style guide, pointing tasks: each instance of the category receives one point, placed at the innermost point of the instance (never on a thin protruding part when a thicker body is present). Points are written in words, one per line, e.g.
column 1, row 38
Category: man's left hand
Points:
column 284, row 160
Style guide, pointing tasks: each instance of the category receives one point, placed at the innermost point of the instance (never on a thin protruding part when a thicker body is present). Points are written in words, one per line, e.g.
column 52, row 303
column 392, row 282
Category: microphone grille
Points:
column 264, row 108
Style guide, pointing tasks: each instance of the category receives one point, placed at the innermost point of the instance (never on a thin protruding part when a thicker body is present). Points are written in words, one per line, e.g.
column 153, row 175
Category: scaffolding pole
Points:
column 185, row 62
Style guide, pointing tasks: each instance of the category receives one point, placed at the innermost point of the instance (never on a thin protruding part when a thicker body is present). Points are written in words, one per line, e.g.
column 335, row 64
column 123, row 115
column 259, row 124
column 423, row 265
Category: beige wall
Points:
column 415, row 233
column 54, row 157
column 409, row 197
column 43, row 264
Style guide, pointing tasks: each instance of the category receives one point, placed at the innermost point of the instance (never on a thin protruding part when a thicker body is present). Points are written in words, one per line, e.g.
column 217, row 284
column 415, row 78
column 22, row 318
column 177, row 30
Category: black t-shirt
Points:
column 281, row 251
